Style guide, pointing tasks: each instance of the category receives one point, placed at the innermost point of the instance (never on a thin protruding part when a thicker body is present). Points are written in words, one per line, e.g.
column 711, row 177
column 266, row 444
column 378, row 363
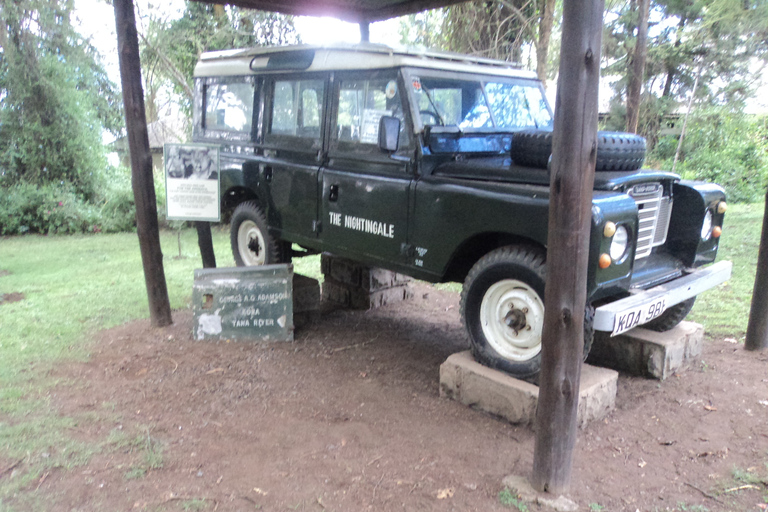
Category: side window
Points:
column 362, row 103
column 229, row 106
column 297, row 108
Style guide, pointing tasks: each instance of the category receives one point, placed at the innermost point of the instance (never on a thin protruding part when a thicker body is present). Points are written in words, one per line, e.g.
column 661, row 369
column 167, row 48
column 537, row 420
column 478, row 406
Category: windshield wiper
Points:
column 434, row 106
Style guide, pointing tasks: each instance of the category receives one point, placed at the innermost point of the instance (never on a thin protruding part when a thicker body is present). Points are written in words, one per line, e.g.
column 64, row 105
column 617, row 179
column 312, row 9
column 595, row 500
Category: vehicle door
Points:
column 364, row 202
column 292, row 150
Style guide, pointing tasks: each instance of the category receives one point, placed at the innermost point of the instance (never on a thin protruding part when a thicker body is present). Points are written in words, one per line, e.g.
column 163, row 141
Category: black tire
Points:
column 616, row 151
column 250, row 239
column 671, row 317
column 532, row 148
column 510, row 280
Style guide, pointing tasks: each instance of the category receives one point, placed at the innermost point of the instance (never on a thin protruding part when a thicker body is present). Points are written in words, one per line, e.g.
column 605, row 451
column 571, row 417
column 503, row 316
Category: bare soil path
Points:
column 348, row 418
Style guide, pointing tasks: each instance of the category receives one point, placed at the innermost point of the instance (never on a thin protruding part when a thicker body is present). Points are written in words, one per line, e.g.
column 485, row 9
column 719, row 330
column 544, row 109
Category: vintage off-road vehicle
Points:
column 434, row 165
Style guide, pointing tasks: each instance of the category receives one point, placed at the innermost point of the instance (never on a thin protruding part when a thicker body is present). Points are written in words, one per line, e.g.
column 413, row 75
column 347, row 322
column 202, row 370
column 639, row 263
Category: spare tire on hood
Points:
column 616, row 151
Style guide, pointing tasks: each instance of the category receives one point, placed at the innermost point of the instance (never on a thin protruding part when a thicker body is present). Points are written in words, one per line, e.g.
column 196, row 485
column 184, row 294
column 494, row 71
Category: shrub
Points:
column 26, row 208
column 58, row 209
column 724, row 148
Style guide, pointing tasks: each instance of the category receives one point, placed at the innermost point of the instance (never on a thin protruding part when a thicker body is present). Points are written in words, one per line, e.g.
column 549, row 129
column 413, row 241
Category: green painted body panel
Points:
column 428, row 212
column 450, row 212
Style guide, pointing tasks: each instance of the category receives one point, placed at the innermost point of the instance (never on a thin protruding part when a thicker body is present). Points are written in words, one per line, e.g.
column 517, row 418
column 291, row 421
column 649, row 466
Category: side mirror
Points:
column 389, row 132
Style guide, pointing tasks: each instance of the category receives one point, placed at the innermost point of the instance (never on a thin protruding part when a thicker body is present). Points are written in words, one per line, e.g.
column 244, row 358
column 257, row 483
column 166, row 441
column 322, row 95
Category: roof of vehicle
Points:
column 346, row 57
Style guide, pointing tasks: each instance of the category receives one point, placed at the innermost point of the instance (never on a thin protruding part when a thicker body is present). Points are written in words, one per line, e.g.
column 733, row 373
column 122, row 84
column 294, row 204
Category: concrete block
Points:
column 306, row 300
column 467, row 381
column 352, row 273
column 649, row 353
column 358, row 298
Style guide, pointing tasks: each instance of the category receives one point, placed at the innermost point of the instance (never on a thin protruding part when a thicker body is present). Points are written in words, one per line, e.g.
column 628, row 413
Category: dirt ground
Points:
column 349, row 418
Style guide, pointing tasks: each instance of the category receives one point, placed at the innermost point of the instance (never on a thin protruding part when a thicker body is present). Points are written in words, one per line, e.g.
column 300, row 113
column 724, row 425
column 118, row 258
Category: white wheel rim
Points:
column 512, row 318
column 250, row 243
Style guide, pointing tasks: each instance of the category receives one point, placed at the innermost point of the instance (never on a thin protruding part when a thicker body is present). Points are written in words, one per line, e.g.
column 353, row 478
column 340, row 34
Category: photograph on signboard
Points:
column 192, row 182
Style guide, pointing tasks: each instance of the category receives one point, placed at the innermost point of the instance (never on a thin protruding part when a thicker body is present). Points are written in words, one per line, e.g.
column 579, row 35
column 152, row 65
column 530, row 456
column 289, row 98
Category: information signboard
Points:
column 192, row 182
column 244, row 303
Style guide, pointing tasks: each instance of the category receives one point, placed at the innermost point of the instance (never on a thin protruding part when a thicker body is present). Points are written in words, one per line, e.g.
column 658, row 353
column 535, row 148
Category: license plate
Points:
column 631, row 318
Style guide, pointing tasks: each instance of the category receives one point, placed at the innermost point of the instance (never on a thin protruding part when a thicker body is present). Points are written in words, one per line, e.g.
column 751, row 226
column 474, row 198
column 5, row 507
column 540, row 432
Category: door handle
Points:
column 333, row 195
column 268, row 174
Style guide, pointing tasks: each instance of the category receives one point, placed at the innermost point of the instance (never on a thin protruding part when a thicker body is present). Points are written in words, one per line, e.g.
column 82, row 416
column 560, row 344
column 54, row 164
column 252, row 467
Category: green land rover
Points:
column 434, row 165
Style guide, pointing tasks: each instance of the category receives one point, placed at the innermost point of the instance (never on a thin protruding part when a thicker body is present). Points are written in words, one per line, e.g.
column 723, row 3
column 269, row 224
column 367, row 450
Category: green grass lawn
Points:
column 724, row 311
column 76, row 285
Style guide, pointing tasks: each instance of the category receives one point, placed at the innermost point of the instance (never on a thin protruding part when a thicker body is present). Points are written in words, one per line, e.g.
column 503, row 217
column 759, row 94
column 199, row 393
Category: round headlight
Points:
column 619, row 243
column 706, row 226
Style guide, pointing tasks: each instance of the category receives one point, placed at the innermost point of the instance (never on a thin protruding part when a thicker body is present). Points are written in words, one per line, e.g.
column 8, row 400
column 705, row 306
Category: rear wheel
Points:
column 251, row 242
column 502, row 307
column 671, row 317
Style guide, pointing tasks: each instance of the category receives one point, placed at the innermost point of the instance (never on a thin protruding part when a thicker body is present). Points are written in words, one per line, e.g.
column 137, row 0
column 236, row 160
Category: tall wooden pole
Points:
column 757, row 329
column 141, row 164
column 574, row 153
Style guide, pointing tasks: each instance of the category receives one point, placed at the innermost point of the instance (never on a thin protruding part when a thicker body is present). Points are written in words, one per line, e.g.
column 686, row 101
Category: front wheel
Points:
column 251, row 242
column 502, row 307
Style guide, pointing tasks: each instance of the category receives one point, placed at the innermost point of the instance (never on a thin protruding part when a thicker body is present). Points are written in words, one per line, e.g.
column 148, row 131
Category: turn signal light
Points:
column 604, row 261
column 721, row 207
column 717, row 231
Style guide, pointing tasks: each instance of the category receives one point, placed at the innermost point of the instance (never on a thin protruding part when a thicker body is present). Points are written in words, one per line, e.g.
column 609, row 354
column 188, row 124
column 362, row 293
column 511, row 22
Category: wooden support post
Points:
column 365, row 34
column 141, row 164
column 574, row 153
column 205, row 242
column 757, row 329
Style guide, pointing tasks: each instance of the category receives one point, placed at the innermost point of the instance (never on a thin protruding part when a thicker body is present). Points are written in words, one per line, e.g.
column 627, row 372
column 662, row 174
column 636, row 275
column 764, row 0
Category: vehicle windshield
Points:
column 480, row 104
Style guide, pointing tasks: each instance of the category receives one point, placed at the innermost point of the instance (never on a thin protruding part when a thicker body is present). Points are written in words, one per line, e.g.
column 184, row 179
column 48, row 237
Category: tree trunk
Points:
column 141, row 164
column 757, row 329
column 637, row 70
column 670, row 66
column 570, row 216
column 178, row 76
column 545, row 34
column 685, row 120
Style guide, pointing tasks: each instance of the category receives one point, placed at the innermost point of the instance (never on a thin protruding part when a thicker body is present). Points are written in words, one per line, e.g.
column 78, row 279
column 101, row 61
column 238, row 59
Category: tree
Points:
column 171, row 48
column 722, row 38
column 56, row 98
column 510, row 30
column 636, row 68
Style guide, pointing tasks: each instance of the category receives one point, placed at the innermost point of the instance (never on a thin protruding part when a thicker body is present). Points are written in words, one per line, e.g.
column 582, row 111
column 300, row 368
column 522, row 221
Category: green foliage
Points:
column 511, row 499
column 170, row 50
column 724, row 148
column 56, row 98
column 715, row 40
column 194, row 505
column 58, row 209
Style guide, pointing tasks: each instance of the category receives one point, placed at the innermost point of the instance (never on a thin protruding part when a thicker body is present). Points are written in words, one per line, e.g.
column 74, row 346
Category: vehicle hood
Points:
column 504, row 170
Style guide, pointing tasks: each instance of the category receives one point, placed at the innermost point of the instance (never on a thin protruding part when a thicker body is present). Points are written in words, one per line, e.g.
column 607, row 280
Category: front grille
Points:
column 653, row 210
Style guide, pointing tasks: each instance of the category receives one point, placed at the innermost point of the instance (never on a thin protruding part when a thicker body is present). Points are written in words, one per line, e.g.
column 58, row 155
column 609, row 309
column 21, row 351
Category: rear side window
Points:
column 229, row 106
column 297, row 108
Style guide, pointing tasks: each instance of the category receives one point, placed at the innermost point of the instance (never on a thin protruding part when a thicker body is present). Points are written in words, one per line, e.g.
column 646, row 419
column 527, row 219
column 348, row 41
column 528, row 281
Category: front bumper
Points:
column 672, row 292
